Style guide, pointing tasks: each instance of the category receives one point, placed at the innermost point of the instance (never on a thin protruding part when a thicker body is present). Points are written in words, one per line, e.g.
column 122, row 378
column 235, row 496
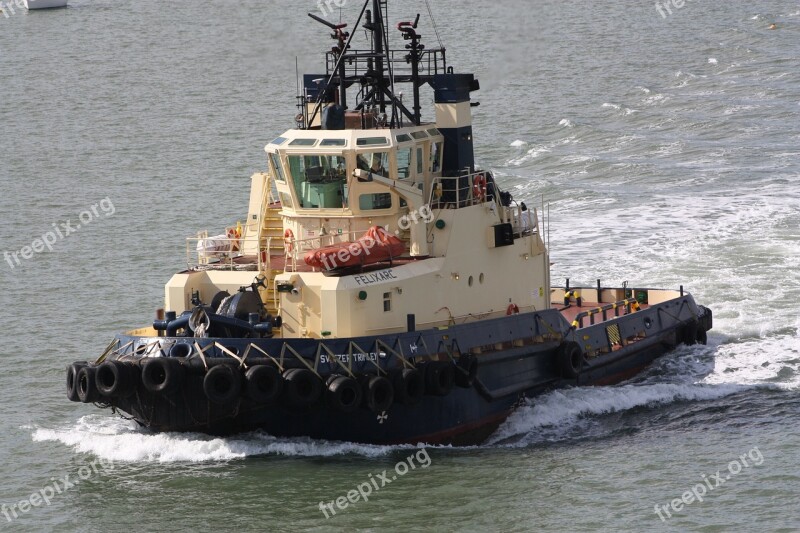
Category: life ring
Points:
column 288, row 241
column 479, row 187
column 513, row 309
column 234, row 235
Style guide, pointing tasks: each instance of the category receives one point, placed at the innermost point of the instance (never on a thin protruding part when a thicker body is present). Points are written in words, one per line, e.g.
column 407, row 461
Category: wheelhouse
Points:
column 316, row 171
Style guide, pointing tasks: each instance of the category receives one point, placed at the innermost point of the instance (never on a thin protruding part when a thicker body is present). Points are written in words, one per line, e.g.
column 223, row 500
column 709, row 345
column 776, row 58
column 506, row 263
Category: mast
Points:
column 377, row 69
column 378, row 30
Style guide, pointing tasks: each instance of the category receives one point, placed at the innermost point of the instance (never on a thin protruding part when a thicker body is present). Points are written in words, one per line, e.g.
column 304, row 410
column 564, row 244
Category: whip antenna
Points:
column 433, row 21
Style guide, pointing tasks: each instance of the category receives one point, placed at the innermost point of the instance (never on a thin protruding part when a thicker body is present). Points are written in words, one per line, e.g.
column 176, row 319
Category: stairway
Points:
column 270, row 240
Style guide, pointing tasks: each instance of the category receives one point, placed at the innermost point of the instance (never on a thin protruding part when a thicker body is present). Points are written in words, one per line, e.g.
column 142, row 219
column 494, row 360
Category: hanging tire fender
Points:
column 378, row 393
column 409, row 386
column 690, row 332
column 264, row 384
column 570, row 359
column 72, row 380
column 87, row 388
column 440, row 377
column 115, row 379
column 301, row 386
column 344, row 393
column 161, row 375
column 222, row 384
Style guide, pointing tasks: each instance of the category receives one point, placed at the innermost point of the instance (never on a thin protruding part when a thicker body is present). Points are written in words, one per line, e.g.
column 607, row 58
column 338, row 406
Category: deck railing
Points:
column 224, row 253
column 295, row 249
column 475, row 189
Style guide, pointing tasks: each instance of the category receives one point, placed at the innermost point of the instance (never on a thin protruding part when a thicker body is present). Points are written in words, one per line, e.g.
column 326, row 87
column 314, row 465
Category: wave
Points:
column 559, row 412
column 115, row 439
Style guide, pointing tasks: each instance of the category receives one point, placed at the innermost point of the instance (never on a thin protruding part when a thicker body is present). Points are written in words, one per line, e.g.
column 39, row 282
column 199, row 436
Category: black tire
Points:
column 706, row 318
column 702, row 336
column 409, row 386
column 690, row 332
column 222, row 384
column 161, row 375
column 264, row 384
column 466, row 371
column 301, row 386
column 87, row 390
column 115, row 379
column 440, row 376
column 344, row 393
column 72, row 380
column 570, row 359
column 378, row 393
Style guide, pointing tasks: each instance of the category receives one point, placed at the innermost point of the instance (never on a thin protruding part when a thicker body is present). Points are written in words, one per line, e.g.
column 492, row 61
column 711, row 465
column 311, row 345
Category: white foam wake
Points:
column 115, row 439
column 764, row 360
column 563, row 409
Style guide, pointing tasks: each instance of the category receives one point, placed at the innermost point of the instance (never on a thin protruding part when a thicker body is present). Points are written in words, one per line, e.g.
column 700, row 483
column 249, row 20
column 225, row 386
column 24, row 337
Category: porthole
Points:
column 480, row 278
column 469, row 281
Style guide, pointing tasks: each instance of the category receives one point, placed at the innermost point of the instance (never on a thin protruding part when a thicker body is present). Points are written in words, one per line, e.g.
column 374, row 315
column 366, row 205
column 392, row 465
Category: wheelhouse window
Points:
column 371, row 202
column 320, row 181
column 404, row 163
column 436, row 156
column 333, row 142
column 276, row 167
column 372, row 141
column 377, row 163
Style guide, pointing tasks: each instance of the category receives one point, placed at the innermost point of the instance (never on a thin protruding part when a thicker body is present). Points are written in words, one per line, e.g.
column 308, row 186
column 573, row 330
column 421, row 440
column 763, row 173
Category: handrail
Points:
column 301, row 246
column 432, row 61
column 471, row 189
column 267, row 199
column 226, row 255
column 626, row 304
column 464, row 196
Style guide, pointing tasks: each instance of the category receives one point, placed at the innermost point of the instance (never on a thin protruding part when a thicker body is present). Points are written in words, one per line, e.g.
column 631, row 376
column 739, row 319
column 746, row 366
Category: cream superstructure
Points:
column 325, row 187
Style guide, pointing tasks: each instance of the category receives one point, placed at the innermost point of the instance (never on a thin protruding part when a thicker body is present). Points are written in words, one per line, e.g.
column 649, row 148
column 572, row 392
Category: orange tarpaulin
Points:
column 375, row 246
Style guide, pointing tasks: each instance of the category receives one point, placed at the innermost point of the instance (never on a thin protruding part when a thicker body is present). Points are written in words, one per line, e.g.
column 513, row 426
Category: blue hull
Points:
column 516, row 357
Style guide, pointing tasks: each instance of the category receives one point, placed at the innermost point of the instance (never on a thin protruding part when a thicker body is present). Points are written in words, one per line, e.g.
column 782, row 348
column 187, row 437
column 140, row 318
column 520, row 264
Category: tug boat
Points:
column 382, row 289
